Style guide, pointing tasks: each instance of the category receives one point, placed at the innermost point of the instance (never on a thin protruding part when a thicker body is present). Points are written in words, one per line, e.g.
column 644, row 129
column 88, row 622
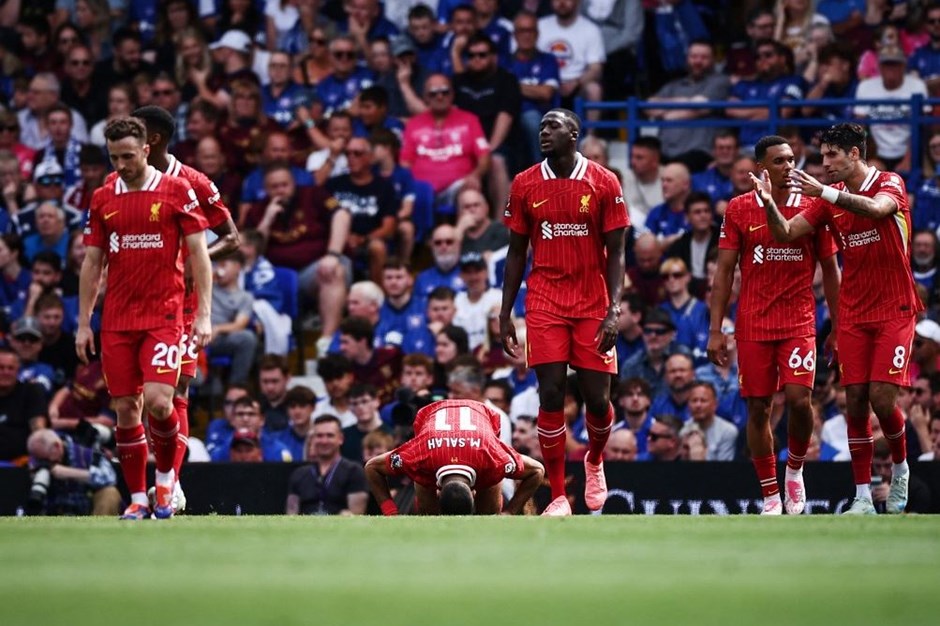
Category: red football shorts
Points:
column 134, row 357
column 188, row 354
column 554, row 339
column 876, row 351
column 766, row 366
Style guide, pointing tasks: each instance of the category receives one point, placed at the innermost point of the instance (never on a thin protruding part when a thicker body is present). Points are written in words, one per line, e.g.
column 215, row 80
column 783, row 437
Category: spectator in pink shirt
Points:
column 445, row 146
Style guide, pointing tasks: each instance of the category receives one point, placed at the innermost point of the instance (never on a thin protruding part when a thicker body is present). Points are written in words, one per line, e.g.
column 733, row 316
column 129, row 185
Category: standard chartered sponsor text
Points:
column 783, row 254
column 570, row 230
column 141, row 241
column 863, row 239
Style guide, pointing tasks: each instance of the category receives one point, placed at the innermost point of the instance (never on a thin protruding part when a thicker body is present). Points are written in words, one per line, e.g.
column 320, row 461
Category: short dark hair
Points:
column 500, row 383
column 706, row 385
column 845, row 137
column 122, row 127
column 50, row 300
column 459, row 336
column 59, row 107
column 49, row 258
column 206, row 109
column 420, row 11
column 254, row 238
column 671, row 422
column 480, row 37
column 249, row 402
column 333, row 366
column 697, row 197
column 385, row 137
column 326, row 418
column 376, row 94
column 635, row 383
column 418, row 359
column 274, row 362
column 359, row 328
column 157, row 120
column 123, row 34
column 442, row 292
column 363, row 389
column 456, row 498
column 277, row 166
column 651, row 143
column 396, row 263
column 760, row 148
column 300, row 396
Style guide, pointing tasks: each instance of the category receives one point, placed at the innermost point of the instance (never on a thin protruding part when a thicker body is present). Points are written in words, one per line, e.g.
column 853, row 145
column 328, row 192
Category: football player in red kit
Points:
column 868, row 212
column 457, row 462
column 136, row 225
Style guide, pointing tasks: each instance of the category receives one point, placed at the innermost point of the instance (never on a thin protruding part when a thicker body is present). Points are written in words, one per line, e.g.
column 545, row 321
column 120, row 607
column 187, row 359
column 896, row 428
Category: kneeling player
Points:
column 457, row 463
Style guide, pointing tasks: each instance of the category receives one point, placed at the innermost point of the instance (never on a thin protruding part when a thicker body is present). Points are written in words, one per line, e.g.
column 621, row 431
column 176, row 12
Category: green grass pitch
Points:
column 439, row 571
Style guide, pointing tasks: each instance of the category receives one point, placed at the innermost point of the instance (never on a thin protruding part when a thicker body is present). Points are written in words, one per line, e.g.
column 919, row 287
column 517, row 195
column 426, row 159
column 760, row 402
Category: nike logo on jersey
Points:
column 894, row 371
column 549, row 445
column 536, row 205
column 798, row 373
column 165, row 370
column 753, row 228
column 608, row 360
column 108, row 216
column 838, row 215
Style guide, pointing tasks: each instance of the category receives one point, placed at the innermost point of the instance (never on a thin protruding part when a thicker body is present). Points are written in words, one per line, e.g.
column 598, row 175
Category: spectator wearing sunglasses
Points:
column 79, row 90
column 689, row 314
column 338, row 91
column 662, row 440
column 659, row 332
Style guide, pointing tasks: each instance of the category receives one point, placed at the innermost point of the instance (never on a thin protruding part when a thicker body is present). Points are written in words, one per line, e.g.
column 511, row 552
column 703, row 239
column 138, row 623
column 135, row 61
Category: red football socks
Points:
column 164, row 440
column 861, row 447
column 551, row 427
column 796, row 452
column 766, row 468
column 894, row 431
column 598, row 432
column 132, row 452
column 181, row 405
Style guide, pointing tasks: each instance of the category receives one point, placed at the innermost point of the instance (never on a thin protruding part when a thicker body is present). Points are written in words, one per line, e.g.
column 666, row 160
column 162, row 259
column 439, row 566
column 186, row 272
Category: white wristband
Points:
column 830, row 194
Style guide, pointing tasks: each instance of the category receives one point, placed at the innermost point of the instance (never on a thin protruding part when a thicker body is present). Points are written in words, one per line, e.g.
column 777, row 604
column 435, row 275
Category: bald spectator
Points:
column 445, row 250
column 740, row 181
column 477, row 231
column 668, row 220
column 210, row 160
column 678, row 375
column 43, row 94
column 621, row 446
column 644, row 274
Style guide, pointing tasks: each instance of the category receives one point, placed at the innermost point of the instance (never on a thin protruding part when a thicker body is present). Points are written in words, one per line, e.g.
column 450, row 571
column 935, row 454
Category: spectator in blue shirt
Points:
column 445, row 249
column 403, row 311
column 440, row 311
column 365, row 22
column 26, row 341
column 538, row 76
column 716, row 180
column 659, row 331
column 423, row 34
column 668, row 220
column 281, row 97
column 634, row 399
column 925, row 62
column 338, row 91
column 678, row 376
column 276, row 149
column 463, row 23
column 689, row 314
column 300, row 402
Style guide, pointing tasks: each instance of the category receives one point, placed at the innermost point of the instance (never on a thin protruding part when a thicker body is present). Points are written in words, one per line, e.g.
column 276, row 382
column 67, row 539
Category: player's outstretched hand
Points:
column 507, row 332
column 606, row 336
column 801, row 182
column 762, row 185
column 717, row 348
column 84, row 343
column 202, row 332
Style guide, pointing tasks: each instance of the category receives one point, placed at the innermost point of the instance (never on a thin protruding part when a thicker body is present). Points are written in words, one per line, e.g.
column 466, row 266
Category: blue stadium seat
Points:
column 288, row 281
column 423, row 214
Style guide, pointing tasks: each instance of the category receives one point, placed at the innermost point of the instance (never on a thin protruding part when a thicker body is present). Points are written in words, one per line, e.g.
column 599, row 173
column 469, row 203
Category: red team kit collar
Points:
column 793, row 199
column 153, row 179
column 580, row 167
column 462, row 470
column 175, row 167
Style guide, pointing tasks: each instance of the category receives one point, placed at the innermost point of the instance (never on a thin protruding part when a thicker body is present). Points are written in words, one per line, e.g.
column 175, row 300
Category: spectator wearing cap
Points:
column 51, row 234
column 892, row 140
column 402, row 79
column 245, row 447
column 478, row 232
column 300, row 402
column 93, row 166
column 476, row 303
column 689, row 314
column 248, row 423
column 49, row 183
column 26, row 341
column 43, row 94
column 926, row 349
column 232, row 52
column 331, row 484
column 659, row 332
column 373, row 205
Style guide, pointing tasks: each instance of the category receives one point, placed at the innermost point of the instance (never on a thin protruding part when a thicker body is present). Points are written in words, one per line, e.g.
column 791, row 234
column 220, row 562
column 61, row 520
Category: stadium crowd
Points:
column 366, row 151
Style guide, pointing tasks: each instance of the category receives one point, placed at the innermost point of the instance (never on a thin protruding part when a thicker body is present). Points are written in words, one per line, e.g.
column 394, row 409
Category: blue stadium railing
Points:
column 634, row 118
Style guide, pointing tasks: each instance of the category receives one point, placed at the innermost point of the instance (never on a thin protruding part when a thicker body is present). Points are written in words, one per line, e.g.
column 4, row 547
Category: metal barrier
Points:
column 633, row 110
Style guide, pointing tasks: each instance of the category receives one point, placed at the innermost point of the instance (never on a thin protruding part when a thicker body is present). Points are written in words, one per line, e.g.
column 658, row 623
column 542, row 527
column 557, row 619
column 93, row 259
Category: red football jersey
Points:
column 877, row 283
column 565, row 220
column 456, row 437
column 141, row 234
column 776, row 300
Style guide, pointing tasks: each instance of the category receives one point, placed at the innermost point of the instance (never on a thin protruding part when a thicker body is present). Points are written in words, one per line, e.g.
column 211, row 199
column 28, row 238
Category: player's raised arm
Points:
column 782, row 229
column 88, row 284
column 202, row 277
column 882, row 205
column 512, row 281
column 606, row 336
column 721, row 295
column 531, row 479
column 376, row 475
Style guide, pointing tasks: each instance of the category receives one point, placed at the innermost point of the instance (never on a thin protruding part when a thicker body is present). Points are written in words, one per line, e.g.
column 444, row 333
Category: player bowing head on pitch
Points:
column 457, row 462
column 776, row 322
column 136, row 224
column 571, row 211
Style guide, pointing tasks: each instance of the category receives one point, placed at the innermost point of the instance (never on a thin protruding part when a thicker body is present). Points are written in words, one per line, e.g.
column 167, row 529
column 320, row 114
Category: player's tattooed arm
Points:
column 881, row 206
